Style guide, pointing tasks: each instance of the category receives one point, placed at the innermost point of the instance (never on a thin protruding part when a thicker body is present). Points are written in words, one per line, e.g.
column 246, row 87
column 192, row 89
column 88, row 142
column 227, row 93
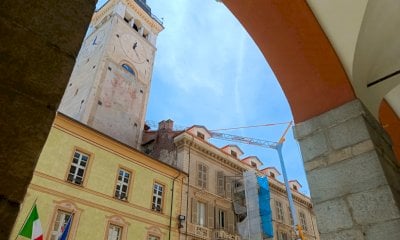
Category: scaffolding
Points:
column 252, row 205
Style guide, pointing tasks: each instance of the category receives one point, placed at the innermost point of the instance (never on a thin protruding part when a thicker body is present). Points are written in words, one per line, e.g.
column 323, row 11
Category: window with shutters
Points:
column 202, row 172
column 61, row 220
column 201, row 214
column 157, row 201
column 303, row 221
column 122, row 186
column 78, row 167
column 114, row 232
column 279, row 211
column 220, row 183
column 221, row 219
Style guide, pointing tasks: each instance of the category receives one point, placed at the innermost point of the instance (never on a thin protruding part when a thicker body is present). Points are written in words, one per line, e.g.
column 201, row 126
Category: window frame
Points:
column 154, row 236
column 234, row 154
column 200, row 135
column 111, row 224
column 87, row 167
column 69, row 207
column 202, row 175
column 64, row 223
column 199, row 216
column 224, row 218
column 162, row 197
column 272, row 175
column 119, row 221
column 303, row 221
column 280, row 215
column 220, row 183
column 127, row 67
column 128, row 191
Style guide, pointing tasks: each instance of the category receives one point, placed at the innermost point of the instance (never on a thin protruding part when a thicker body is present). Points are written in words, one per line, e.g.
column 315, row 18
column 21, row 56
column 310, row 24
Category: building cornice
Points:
column 215, row 154
column 99, row 14
column 297, row 197
column 82, row 131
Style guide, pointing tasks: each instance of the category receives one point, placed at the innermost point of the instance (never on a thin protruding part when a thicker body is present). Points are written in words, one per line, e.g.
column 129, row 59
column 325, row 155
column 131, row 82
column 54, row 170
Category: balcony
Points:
column 199, row 231
column 223, row 235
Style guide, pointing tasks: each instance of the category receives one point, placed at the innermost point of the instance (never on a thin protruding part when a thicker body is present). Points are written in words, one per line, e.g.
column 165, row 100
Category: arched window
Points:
column 128, row 68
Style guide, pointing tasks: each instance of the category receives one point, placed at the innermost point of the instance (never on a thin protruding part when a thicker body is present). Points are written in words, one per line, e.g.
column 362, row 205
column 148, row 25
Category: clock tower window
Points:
column 128, row 68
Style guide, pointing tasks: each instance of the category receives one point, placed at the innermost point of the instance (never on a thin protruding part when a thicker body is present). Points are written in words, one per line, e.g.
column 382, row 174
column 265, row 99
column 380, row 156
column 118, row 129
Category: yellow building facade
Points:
column 111, row 190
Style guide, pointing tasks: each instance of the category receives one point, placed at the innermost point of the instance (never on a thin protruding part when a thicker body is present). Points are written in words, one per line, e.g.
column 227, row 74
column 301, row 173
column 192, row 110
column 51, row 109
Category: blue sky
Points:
column 208, row 71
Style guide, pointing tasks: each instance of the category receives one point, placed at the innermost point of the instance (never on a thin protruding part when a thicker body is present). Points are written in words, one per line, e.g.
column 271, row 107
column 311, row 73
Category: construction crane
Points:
column 272, row 145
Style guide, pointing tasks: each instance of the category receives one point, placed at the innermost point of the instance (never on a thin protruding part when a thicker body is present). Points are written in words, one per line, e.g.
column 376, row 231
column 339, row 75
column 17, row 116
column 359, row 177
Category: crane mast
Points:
column 278, row 147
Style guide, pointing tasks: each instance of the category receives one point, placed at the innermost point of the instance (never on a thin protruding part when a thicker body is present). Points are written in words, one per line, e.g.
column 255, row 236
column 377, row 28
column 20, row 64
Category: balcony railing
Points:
column 199, row 231
column 223, row 235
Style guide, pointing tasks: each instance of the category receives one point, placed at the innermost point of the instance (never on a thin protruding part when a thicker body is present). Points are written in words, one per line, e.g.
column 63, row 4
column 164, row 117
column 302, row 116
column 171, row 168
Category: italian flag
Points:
column 32, row 228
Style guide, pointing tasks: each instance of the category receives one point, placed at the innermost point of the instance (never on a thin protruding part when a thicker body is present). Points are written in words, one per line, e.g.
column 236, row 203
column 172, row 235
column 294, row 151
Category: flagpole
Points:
column 26, row 219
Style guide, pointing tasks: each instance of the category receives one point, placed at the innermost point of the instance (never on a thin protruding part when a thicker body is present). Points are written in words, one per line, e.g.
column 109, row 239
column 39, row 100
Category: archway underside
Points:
column 301, row 56
column 299, row 53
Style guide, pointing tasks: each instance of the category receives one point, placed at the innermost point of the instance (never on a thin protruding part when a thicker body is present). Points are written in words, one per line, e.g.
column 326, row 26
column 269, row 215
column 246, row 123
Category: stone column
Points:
column 352, row 173
column 39, row 41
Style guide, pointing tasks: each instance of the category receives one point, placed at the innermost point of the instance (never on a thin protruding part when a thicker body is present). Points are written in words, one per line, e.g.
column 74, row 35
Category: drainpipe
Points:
column 172, row 203
column 187, row 199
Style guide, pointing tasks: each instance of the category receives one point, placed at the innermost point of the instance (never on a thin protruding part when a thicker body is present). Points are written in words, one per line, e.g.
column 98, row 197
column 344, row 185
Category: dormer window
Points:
column 233, row 153
column 272, row 174
column 253, row 164
column 294, row 187
column 129, row 69
column 200, row 135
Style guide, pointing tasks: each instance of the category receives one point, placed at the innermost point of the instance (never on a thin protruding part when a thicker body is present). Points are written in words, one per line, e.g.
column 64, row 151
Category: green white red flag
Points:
column 32, row 228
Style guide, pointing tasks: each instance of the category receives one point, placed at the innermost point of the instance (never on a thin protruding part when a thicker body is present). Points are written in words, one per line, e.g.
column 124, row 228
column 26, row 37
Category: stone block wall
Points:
column 39, row 42
column 352, row 173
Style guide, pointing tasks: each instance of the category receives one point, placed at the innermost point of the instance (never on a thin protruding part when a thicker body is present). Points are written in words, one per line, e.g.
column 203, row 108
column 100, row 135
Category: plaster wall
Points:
column 94, row 200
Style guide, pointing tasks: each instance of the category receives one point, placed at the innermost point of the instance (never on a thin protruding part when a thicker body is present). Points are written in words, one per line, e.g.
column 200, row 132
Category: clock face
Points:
column 133, row 48
column 92, row 45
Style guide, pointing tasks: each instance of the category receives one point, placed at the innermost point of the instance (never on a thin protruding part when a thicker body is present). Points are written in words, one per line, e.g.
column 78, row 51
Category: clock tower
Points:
column 109, row 86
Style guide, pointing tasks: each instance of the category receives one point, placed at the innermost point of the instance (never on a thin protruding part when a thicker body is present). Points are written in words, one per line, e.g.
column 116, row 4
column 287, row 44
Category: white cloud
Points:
column 209, row 72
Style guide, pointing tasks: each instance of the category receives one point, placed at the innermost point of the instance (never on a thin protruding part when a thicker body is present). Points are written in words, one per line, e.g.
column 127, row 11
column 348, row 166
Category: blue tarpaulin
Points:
column 265, row 207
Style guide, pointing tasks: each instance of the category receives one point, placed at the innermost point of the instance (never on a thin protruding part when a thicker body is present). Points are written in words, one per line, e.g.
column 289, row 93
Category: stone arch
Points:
column 299, row 53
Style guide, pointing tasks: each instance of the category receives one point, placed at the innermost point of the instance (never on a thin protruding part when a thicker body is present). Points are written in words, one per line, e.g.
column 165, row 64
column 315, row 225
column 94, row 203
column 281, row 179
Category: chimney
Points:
column 166, row 125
